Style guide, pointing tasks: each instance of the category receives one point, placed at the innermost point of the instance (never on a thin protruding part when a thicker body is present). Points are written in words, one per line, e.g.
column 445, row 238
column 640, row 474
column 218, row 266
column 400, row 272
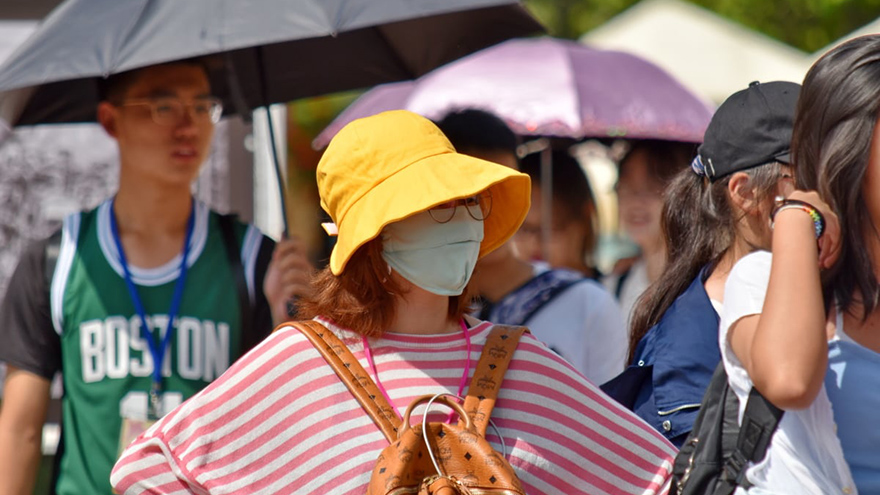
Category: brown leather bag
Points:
column 459, row 460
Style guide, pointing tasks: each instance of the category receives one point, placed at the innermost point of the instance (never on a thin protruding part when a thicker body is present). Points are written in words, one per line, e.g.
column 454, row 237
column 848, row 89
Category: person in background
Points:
column 574, row 316
column 574, row 219
column 714, row 214
column 482, row 133
column 644, row 174
column 395, row 293
column 143, row 305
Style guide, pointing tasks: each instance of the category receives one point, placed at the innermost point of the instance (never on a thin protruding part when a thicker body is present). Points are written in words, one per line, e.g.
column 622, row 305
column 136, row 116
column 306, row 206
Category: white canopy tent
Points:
column 872, row 27
column 713, row 56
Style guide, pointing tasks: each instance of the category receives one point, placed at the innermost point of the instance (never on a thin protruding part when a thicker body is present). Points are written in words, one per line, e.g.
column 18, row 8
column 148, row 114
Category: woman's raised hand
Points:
column 830, row 242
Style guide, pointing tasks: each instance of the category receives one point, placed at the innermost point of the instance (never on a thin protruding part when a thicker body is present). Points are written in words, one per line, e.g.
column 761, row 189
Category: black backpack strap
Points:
column 233, row 256
column 485, row 308
column 51, row 250
column 760, row 420
column 618, row 289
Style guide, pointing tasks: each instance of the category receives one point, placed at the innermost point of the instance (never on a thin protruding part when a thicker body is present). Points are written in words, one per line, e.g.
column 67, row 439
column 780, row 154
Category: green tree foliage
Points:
column 806, row 24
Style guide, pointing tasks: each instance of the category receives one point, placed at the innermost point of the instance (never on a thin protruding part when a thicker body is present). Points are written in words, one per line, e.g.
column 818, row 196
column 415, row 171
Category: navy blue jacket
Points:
column 673, row 364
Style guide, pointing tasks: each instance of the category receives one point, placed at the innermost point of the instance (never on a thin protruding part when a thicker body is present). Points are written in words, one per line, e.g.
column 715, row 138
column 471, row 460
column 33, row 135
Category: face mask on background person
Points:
column 437, row 257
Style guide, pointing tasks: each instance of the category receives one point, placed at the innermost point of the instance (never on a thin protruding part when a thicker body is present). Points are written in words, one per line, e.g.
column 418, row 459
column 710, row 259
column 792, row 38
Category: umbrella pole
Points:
column 546, row 201
column 282, row 189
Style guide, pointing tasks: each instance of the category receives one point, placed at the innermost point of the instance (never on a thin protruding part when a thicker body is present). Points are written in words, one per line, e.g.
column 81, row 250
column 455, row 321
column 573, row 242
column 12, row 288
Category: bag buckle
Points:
column 734, row 467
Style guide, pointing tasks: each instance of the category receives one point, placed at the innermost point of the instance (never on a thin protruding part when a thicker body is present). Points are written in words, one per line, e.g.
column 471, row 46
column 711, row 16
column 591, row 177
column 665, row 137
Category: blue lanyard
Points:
column 156, row 351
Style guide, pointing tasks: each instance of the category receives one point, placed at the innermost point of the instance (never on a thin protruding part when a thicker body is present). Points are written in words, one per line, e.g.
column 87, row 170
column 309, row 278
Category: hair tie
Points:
column 698, row 167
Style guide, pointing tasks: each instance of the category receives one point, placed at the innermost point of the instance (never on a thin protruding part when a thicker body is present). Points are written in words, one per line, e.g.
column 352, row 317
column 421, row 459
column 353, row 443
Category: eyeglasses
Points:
column 170, row 110
column 478, row 207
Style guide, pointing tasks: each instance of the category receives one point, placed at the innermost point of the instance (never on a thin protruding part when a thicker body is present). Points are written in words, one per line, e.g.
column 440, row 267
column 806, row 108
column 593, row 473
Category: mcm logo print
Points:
column 467, row 438
column 494, row 460
column 392, row 482
column 362, row 380
column 498, row 352
column 486, row 383
column 478, row 416
column 405, row 455
column 469, row 479
column 337, row 349
column 443, row 453
column 385, row 412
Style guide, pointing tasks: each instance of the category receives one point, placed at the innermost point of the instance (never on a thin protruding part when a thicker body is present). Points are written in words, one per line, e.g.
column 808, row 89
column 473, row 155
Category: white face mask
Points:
column 438, row 257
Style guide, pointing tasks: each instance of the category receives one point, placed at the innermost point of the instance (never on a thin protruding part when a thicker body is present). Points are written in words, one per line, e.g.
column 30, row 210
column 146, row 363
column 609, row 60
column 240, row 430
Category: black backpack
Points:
column 714, row 457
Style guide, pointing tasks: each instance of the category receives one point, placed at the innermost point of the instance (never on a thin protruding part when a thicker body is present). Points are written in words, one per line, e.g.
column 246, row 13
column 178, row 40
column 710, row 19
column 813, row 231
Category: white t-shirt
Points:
column 804, row 456
column 584, row 325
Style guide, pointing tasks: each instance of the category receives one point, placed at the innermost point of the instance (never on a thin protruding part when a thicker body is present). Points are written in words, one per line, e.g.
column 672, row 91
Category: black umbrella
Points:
column 267, row 51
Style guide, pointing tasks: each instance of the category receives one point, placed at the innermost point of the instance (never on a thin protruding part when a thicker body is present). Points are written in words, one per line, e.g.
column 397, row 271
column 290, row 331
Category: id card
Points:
column 131, row 429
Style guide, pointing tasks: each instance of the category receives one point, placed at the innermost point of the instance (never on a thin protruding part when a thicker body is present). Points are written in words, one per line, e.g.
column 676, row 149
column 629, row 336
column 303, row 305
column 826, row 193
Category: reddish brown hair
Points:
column 363, row 297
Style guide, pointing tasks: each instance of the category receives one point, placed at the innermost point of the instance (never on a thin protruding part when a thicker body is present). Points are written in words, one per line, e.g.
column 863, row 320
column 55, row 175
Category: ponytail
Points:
column 699, row 226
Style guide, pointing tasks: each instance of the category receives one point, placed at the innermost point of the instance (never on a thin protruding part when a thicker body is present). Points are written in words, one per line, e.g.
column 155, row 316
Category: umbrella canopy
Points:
column 272, row 50
column 549, row 87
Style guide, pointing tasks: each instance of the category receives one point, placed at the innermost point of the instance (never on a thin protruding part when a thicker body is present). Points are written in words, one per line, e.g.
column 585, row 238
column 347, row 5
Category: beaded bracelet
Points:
column 786, row 204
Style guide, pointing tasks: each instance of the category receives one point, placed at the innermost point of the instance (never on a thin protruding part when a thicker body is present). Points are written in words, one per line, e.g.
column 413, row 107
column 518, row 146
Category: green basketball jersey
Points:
column 106, row 363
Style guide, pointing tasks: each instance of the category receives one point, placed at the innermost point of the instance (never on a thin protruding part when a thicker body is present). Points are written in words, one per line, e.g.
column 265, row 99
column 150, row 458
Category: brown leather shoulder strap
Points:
column 353, row 375
column 486, row 382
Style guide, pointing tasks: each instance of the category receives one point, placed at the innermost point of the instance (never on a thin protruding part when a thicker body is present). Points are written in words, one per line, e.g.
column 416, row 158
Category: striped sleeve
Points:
column 149, row 467
column 566, row 436
column 278, row 421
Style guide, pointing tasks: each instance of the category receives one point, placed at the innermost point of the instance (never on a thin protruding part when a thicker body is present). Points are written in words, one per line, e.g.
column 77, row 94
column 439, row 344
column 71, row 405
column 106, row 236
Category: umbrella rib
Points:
column 391, row 49
column 114, row 63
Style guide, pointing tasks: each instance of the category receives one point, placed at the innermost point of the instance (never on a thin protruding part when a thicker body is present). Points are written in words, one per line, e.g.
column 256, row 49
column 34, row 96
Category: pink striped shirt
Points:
column 280, row 421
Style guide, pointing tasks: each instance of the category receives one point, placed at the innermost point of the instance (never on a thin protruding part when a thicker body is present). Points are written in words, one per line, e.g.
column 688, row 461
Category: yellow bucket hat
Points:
column 381, row 169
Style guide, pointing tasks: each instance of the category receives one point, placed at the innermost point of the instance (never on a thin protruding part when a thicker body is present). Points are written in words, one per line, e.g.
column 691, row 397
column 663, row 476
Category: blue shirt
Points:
column 852, row 385
column 673, row 365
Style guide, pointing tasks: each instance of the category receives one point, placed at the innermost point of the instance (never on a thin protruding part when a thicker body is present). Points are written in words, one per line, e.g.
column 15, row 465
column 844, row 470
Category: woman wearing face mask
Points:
column 412, row 216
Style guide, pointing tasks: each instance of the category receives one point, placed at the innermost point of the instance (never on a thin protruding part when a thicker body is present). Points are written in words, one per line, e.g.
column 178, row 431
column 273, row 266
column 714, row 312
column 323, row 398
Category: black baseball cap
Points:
column 752, row 127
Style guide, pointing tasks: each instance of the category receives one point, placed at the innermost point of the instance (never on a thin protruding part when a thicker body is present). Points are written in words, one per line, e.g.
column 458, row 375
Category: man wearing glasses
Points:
column 152, row 295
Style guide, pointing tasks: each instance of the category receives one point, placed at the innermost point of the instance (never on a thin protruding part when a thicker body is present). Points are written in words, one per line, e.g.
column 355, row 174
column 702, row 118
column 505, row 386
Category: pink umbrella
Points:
column 548, row 87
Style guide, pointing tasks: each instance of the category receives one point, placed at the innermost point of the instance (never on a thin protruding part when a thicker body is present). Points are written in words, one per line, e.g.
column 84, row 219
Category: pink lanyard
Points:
column 467, row 369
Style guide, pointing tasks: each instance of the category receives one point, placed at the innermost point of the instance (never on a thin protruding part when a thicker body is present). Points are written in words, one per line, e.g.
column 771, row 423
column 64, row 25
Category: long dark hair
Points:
column 831, row 144
column 699, row 226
